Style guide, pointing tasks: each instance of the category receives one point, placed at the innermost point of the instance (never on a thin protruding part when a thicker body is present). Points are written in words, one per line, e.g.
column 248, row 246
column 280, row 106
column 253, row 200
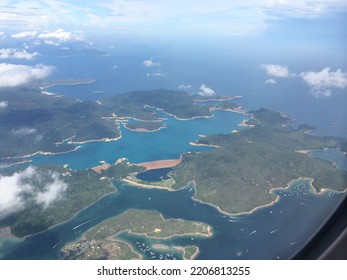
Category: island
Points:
column 98, row 242
column 239, row 175
column 77, row 190
column 236, row 175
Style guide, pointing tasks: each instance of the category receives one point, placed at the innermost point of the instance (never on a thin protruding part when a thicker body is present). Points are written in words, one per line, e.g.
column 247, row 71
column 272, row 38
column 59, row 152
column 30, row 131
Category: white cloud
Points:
column 114, row 67
column 25, row 34
column 52, row 192
column 219, row 16
column 322, row 83
column 16, row 54
column 12, row 75
column 155, row 74
column 20, row 188
column 3, row 104
column 23, row 131
column 61, row 35
column 150, row 63
column 276, row 70
column 206, row 91
column 51, row 43
column 270, row 81
column 185, row 87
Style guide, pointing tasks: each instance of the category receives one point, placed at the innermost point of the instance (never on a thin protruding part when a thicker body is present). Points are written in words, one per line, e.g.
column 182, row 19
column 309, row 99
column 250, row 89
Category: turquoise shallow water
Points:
column 168, row 143
column 273, row 232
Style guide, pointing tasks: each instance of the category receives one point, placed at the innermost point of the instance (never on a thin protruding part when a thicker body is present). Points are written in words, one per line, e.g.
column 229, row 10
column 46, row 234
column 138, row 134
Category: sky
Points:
column 160, row 17
column 286, row 30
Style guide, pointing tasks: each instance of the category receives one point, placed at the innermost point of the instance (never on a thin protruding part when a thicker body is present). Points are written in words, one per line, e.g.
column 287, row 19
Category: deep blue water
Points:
column 228, row 69
column 154, row 175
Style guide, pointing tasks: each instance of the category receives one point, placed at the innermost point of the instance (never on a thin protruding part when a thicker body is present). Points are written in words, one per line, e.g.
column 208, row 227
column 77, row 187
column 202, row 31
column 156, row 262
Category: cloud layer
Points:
column 61, row 35
column 3, row 104
column 321, row 83
column 16, row 54
column 150, row 63
column 21, row 188
column 223, row 16
column 206, row 91
column 270, row 81
column 50, row 38
column 276, row 70
column 13, row 75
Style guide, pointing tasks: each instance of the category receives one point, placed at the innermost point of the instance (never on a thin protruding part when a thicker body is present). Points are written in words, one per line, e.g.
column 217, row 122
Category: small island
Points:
column 142, row 222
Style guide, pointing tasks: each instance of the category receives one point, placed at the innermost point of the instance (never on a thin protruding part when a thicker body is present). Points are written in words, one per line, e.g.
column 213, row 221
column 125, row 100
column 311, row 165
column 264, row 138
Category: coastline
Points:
column 143, row 129
column 44, row 153
column 68, row 83
column 135, row 184
column 14, row 163
column 245, row 124
column 178, row 118
column 96, row 140
column 181, row 248
column 203, row 145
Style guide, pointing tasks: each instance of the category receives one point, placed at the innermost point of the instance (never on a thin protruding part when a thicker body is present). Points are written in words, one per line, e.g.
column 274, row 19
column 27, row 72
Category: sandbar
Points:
column 146, row 186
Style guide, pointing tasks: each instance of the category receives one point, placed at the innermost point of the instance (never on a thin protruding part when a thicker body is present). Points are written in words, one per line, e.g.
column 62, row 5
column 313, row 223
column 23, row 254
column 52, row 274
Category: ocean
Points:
column 273, row 232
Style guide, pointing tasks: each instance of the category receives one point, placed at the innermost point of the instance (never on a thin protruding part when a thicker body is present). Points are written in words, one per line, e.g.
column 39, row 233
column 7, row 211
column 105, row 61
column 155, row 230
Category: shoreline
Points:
column 145, row 186
column 44, row 153
column 96, row 140
column 126, row 118
column 178, row 118
column 15, row 163
column 304, row 152
column 238, row 110
column 68, row 83
column 181, row 248
column 245, row 124
column 223, row 98
column 203, row 145
column 143, row 130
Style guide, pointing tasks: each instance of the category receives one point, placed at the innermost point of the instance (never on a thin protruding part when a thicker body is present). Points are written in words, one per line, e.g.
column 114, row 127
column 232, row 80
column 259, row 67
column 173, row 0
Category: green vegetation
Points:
column 177, row 103
column 190, row 252
column 98, row 242
column 121, row 170
column 35, row 122
column 149, row 223
column 84, row 187
column 239, row 175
